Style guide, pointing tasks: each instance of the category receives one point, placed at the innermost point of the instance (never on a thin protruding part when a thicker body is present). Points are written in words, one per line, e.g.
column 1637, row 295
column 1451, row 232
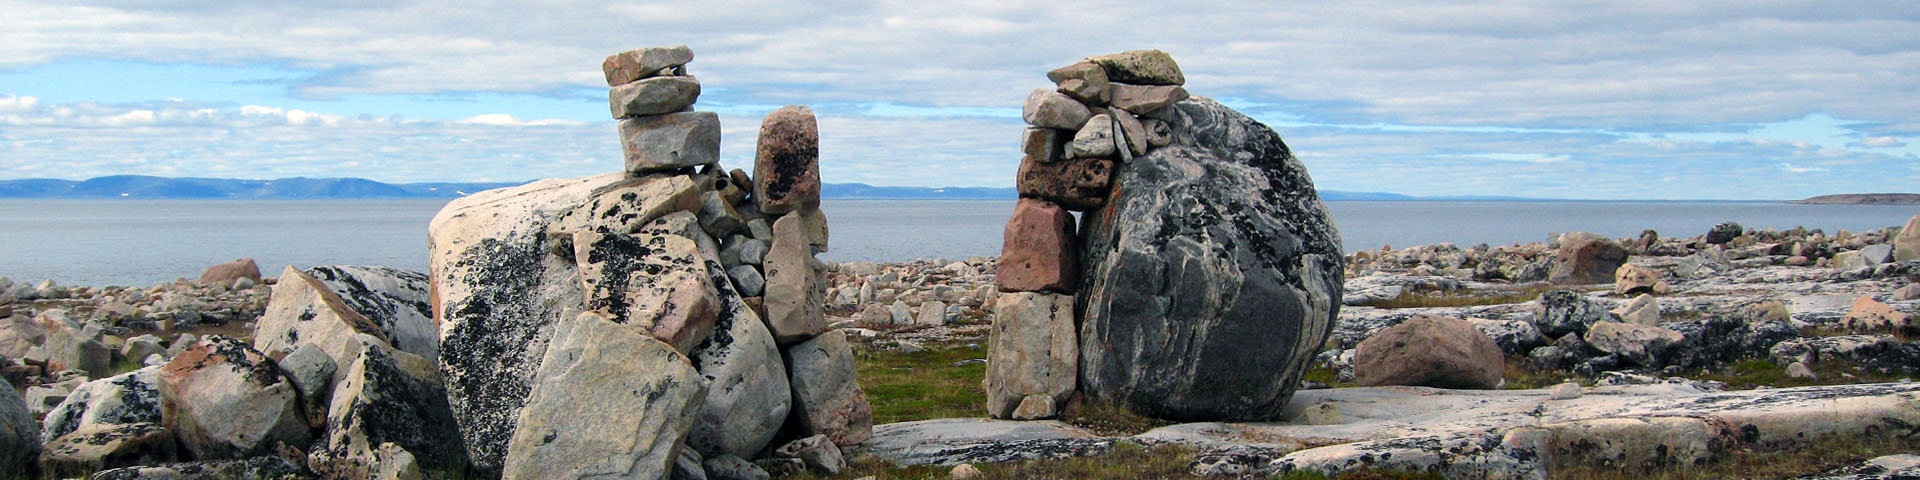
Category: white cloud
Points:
column 1880, row 142
column 505, row 120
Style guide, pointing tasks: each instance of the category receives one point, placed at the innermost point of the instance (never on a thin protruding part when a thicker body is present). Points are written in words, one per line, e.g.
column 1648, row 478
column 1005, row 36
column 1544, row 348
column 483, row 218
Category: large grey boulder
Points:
column 1212, row 277
column 1561, row 312
column 827, row 399
column 397, row 300
column 223, row 399
column 304, row 311
column 611, row 402
column 132, row 397
column 19, row 437
column 1033, row 355
column 387, row 397
column 748, row 395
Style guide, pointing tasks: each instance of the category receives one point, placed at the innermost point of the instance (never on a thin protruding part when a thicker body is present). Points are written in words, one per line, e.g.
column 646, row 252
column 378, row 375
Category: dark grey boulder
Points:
column 1213, row 275
column 1561, row 312
column 394, row 298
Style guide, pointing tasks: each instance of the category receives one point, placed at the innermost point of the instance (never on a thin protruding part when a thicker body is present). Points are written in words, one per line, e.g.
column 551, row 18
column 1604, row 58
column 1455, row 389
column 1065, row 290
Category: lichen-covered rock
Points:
column 387, row 396
column 1561, row 312
column 223, row 399
column 1032, row 351
column 1430, row 351
column 656, row 283
column 1079, row 184
column 632, row 65
column 1723, row 233
column 786, row 166
column 748, row 395
column 796, row 287
column 132, row 397
column 1515, row 337
column 1140, row 67
column 1585, row 259
column 1869, row 314
column 1212, row 276
column 1645, row 345
column 103, row 446
column 395, row 299
column 19, row 436
column 611, row 402
column 304, row 311
column 827, row 399
column 498, row 289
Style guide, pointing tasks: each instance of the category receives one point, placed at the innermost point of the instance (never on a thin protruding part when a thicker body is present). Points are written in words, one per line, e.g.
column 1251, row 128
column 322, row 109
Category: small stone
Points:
column 227, row 273
column 747, row 280
column 1095, row 140
column 965, row 471
column 1045, row 144
column 819, row 454
column 670, row 142
column 1564, row 391
column 1158, row 133
column 786, row 168
column 730, row 467
column 1135, row 134
column 1036, row 407
column 1046, row 108
column 1147, row 99
column 1320, row 414
column 1079, row 184
column 633, row 65
column 1800, row 370
column 1084, row 81
column 1140, row 67
column 653, row 96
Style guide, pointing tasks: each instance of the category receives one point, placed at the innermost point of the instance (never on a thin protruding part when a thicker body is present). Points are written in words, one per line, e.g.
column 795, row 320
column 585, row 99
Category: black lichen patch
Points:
column 397, row 407
column 482, row 353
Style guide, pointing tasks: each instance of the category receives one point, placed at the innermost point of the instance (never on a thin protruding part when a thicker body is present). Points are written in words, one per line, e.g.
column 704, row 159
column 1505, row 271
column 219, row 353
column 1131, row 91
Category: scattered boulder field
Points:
column 672, row 320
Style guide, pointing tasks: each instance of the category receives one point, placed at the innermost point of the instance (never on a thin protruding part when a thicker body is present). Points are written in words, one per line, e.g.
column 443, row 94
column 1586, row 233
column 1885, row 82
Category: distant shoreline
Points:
column 1864, row 199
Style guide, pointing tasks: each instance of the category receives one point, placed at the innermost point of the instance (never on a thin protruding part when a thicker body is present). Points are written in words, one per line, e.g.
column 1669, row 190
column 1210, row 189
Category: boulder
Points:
column 1906, row 245
column 1632, row 279
column 1723, row 233
column 657, row 283
column 1219, row 240
column 1645, row 345
column 18, row 333
column 1560, row 312
column 304, row 311
column 1084, row 81
column 498, row 288
column 653, row 96
column 611, row 401
column 70, row 349
column 1140, row 67
column 748, row 395
column 1644, row 310
column 669, row 142
column 132, row 397
column 19, row 437
column 786, row 164
column 387, row 397
column 827, row 399
column 1585, row 259
column 103, row 446
column 1869, row 314
column 1430, row 351
column 1515, row 337
column 796, row 287
column 1047, row 108
column 932, row 313
column 632, row 65
column 1079, row 184
column 1874, row 255
column 397, row 300
column 1909, row 292
column 223, row 399
column 1147, row 99
column 1039, row 251
column 1032, row 351
column 226, row 273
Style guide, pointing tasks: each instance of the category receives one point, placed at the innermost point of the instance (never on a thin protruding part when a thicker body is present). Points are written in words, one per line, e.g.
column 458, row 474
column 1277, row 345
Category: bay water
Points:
column 146, row 242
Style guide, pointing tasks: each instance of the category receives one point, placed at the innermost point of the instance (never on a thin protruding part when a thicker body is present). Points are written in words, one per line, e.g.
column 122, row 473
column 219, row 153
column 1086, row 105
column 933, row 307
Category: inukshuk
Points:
column 666, row 314
column 1204, row 273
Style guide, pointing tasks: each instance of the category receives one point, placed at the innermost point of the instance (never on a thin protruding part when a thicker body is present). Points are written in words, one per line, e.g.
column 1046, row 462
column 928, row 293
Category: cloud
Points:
column 506, row 120
column 1878, row 142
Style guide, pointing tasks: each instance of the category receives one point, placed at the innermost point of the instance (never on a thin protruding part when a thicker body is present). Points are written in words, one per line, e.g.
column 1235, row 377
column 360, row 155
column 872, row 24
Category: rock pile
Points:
column 691, row 286
column 1199, row 226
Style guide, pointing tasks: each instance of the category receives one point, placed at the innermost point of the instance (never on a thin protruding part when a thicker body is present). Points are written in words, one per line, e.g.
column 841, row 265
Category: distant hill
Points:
column 146, row 187
column 1865, row 199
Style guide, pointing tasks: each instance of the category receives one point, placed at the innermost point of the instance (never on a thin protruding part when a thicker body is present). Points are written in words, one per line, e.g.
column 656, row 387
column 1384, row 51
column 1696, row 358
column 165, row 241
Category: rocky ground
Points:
column 1693, row 349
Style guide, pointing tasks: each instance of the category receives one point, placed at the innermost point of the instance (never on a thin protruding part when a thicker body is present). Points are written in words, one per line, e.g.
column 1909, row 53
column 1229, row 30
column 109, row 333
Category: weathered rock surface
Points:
column 103, row 446
column 1084, row 81
column 1645, row 345
column 1430, row 351
column 657, row 283
column 1869, row 314
column 1039, row 251
column 1906, row 245
column 786, row 164
column 1586, row 258
column 1079, row 184
column 304, row 311
column 748, row 395
column 1033, row 351
column 132, row 397
column 796, row 289
column 19, row 333
column 19, row 436
column 653, row 96
column 622, row 206
column 254, row 467
column 1046, row 108
column 611, row 402
column 952, row 441
column 1141, row 67
column 632, row 65
column 388, row 397
column 671, row 141
column 827, row 399
column 226, row 273
column 397, row 300
column 223, row 399
column 1212, row 277
column 498, row 288
column 1631, row 279
column 1561, row 312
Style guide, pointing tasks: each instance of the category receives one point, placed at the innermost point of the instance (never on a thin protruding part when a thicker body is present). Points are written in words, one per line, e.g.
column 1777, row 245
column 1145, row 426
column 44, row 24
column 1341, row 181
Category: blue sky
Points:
column 1626, row 100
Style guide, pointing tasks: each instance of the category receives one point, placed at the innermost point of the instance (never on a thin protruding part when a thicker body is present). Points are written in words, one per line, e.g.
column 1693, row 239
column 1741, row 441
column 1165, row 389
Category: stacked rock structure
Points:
column 663, row 320
column 1204, row 272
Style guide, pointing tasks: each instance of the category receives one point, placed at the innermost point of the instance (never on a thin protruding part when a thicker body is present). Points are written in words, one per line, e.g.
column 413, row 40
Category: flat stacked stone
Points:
column 652, row 97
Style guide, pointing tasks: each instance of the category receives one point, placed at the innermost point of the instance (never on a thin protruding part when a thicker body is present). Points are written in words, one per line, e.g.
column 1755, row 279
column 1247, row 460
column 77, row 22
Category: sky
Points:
column 1743, row 100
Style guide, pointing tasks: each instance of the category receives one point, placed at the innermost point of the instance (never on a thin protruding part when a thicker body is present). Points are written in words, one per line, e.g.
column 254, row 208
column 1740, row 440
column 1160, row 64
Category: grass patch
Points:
column 1817, row 457
column 1519, row 377
column 1410, row 299
column 1748, row 374
column 904, row 387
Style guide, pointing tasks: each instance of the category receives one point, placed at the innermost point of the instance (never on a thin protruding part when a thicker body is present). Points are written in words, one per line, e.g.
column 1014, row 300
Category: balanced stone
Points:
column 1083, row 81
column 1039, row 251
column 796, row 285
column 632, row 65
column 826, row 394
column 1032, row 351
column 1095, row 140
column 1146, row 99
column 655, row 283
column 653, row 96
column 1078, row 184
column 1046, row 144
column 1047, row 108
column 786, row 164
column 670, row 142
column 1220, row 240
column 1141, row 67
column 223, row 399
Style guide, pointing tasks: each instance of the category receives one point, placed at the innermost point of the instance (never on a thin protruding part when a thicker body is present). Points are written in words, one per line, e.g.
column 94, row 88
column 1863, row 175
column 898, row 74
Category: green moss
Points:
column 1813, row 457
column 936, row 383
